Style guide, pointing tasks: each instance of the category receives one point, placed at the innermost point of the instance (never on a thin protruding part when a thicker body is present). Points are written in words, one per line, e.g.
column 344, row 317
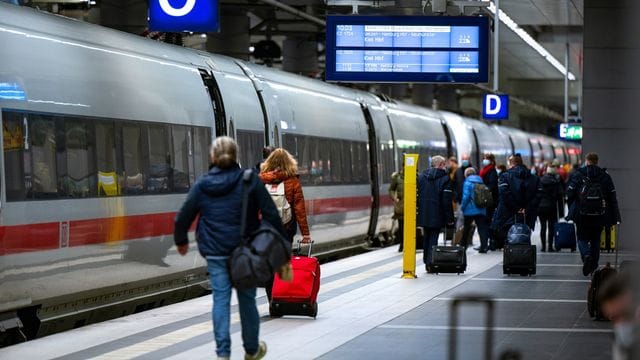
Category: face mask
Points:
column 465, row 163
column 486, row 162
column 498, row 171
column 533, row 171
column 624, row 334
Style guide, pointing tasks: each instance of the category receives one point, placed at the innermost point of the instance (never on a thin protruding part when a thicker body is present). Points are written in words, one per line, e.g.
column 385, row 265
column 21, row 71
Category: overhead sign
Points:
column 495, row 107
column 571, row 131
column 184, row 15
column 407, row 49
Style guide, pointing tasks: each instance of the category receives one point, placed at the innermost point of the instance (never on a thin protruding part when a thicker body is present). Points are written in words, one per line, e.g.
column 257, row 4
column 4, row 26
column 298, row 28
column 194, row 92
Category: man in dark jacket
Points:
column 435, row 207
column 217, row 198
column 459, row 177
column 551, row 206
column 489, row 176
column 593, row 205
column 519, row 192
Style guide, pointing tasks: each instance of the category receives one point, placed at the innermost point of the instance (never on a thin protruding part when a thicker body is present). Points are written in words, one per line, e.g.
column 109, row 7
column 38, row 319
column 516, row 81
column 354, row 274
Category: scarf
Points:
column 486, row 170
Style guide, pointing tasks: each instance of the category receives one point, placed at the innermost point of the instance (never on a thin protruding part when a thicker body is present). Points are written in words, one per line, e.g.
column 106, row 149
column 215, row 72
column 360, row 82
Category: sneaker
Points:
column 262, row 351
column 587, row 267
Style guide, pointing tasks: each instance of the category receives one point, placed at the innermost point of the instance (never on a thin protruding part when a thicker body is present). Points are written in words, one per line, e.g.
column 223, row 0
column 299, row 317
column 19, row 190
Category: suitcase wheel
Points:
column 314, row 309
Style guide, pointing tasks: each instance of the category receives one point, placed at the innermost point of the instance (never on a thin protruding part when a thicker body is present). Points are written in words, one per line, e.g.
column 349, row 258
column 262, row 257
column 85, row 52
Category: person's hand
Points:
column 183, row 249
column 306, row 239
column 521, row 211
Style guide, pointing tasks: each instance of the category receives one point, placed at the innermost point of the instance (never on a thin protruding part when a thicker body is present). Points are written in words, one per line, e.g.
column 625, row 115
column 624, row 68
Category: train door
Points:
column 220, row 118
column 373, row 171
column 513, row 146
column 447, row 134
column 475, row 155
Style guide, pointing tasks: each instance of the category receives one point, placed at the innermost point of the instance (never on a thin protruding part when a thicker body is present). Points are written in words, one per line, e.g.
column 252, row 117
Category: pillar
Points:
column 233, row 38
column 611, row 89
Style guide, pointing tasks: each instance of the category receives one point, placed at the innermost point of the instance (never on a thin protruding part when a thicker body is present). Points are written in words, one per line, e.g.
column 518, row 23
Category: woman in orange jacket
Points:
column 281, row 167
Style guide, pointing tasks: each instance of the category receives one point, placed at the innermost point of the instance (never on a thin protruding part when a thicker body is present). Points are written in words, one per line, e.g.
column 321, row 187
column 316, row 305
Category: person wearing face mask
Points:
column 489, row 176
column 459, row 177
column 619, row 303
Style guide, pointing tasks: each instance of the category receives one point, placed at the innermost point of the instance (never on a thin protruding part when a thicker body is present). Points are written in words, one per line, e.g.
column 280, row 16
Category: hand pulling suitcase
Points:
column 300, row 296
column 519, row 259
column 448, row 259
column 565, row 236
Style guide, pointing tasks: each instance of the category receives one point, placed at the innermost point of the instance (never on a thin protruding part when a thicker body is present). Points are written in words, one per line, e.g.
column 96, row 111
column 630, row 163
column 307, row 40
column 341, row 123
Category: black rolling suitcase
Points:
column 448, row 259
column 519, row 259
column 453, row 325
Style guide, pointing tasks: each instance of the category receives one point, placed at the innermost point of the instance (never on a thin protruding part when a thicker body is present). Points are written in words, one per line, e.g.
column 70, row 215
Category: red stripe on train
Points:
column 46, row 236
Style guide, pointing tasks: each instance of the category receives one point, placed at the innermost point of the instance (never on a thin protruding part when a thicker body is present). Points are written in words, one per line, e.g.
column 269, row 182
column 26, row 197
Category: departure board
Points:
column 407, row 49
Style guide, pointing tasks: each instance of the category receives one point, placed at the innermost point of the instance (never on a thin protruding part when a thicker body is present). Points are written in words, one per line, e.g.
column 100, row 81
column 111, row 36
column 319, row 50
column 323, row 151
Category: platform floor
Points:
column 366, row 311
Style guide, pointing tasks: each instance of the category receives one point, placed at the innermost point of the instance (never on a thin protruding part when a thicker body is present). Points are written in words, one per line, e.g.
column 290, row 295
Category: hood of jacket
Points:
column 273, row 177
column 549, row 179
column 474, row 179
column 520, row 171
column 435, row 173
column 220, row 181
column 591, row 171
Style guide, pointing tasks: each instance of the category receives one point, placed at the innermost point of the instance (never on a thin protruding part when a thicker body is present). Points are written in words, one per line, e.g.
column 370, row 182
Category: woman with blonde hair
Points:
column 279, row 173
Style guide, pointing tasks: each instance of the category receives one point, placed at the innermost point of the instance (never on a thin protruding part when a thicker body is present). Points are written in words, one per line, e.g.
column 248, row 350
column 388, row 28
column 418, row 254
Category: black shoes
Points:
column 586, row 267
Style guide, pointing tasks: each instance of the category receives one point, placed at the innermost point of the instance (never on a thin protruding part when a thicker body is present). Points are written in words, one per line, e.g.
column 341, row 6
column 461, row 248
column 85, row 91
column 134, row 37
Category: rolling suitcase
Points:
column 448, row 259
column 565, row 236
column 300, row 296
column 454, row 327
column 519, row 259
column 599, row 277
column 608, row 239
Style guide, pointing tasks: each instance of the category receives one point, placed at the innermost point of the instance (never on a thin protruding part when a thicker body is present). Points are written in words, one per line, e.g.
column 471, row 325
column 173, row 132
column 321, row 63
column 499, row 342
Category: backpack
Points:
column 591, row 200
column 482, row 196
column 280, row 200
column 519, row 234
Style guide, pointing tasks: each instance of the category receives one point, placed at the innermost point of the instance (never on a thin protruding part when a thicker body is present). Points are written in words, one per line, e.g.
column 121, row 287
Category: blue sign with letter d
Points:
column 495, row 107
column 184, row 15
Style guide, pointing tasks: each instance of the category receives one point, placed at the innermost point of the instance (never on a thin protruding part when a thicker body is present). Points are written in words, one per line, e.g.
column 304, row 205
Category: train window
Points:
column 42, row 132
column 13, row 130
column 159, row 176
column 201, row 143
column 180, row 144
column 132, row 157
column 388, row 167
column 250, row 144
column 108, row 183
column 76, row 171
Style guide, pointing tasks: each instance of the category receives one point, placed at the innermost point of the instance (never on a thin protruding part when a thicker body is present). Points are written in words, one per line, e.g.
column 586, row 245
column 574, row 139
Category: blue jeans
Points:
column 429, row 240
column 589, row 242
column 249, row 317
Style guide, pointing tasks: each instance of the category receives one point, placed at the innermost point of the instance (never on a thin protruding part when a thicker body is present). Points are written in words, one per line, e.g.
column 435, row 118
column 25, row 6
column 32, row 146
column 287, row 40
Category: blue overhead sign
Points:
column 407, row 49
column 495, row 107
column 184, row 15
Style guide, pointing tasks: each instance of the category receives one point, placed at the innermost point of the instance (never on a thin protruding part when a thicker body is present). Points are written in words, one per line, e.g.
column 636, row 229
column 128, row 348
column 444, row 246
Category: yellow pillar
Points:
column 410, row 163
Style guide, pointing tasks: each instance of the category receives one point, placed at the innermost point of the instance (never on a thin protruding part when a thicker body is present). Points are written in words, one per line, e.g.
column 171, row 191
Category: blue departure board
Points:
column 407, row 49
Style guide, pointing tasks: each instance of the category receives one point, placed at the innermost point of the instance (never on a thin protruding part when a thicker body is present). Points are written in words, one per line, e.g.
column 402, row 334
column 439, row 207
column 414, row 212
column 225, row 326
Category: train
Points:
column 104, row 132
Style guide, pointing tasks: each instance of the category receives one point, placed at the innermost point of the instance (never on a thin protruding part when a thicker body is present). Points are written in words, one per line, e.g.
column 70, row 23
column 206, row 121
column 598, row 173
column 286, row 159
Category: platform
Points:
column 366, row 311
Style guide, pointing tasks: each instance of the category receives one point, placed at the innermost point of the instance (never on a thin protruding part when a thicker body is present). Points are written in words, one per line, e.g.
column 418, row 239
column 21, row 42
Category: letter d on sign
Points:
column 493, row 104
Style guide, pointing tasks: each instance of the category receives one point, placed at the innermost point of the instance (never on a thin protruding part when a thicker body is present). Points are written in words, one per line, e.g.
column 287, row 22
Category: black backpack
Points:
column 591, row 200
column 482, row 196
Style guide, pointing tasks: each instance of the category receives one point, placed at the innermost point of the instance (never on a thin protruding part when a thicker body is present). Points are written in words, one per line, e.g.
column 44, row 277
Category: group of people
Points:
column 216, row 200
column 497, row 196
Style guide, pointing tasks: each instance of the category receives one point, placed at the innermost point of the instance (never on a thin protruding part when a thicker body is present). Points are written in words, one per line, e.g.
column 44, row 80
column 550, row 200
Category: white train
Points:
column 104, row 132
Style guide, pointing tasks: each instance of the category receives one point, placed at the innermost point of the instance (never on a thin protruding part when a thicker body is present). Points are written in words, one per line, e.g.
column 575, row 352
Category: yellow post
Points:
column 410, row 163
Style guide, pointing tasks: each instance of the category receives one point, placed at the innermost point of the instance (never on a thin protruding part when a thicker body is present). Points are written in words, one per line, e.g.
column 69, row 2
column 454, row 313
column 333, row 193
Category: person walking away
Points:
column 593, row 204
column 551, row 206
column 435, row 204
column 396, row 192
column 279, row 173
column 216, row 200
column 489, row 176
column 473, row 213
column 519, row 192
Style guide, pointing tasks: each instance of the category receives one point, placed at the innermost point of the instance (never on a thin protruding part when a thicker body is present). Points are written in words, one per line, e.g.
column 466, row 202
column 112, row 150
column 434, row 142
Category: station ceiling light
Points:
column 506, row 19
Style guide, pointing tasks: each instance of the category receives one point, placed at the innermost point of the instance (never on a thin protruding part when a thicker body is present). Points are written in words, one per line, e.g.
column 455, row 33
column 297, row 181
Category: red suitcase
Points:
column 300, row 296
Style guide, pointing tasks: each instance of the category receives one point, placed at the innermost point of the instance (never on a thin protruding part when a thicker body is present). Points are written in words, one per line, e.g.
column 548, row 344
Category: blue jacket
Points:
column 435, row 199
column 518, row 189
column 612, row 212
column 217, row 198
column 469, row 207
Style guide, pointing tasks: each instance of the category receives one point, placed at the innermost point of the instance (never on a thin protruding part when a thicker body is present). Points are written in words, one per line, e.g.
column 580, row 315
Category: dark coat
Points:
column 612, row 212
column 217, row 198
column 491, row 180
column 518, row 189
column 435, row 194
column 552, row 199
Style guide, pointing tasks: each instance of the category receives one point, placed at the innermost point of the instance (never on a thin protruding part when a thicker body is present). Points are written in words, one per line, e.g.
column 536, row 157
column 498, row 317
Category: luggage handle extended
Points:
column 453, row 323
column 299, row 249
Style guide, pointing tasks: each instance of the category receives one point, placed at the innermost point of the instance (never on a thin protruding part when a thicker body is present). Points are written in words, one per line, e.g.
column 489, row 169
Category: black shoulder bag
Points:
column 254, row 262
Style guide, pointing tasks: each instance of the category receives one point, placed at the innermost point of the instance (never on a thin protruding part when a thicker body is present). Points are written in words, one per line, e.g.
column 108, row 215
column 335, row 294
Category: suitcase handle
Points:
column 453, row 323
column 299, row 250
